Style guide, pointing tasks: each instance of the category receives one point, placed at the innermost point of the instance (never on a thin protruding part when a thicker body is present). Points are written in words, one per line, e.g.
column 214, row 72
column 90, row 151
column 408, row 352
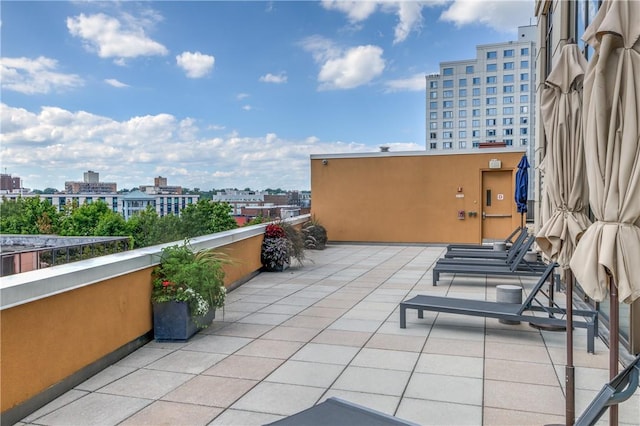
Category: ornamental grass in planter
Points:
column 188, row 286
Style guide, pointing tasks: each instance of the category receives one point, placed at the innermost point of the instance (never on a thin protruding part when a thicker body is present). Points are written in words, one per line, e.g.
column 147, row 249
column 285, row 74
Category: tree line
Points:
column 33, row 215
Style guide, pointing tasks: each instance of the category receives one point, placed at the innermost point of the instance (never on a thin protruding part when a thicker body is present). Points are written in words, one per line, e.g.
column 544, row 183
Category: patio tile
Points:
column 472, row 348
column 305, row 373
column 342, row 337
column 329, row 354
column 63, row 400
column 95, row 409
column 458, row 333
column 270, row 348
column 521, row 372
column 278, row 398
column 184, row 361
column 244, row 306
column 268, row 319
column 387, row 359
column 384, row 403
column 500, row 417
column 372, row 380
column 415, row 327
column 172, row 413
column 366, row 314
column 240, row 329
column 351, row 324
column 217, row 344
column 142, row 357
column 318, row 311
column 106, row 376
column 335, row 302
column 292, row 334
column 532, row 338
column 212, row 391
column 435, row 387
column 244, row 367
column 305, row 321
column 450, row 365
column 143, row 383
column 278, row 308
column 243, row 418
column 396, row 342
column 524, row 397
column 439, row 413
column 516, row 352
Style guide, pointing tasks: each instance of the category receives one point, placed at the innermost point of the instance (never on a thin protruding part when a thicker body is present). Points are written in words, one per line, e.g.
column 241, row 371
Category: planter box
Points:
column 172, row 321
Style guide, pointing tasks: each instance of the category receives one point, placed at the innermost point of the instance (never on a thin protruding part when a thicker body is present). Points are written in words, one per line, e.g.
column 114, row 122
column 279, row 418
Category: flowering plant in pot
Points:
column 282, row 242
column 191, row 282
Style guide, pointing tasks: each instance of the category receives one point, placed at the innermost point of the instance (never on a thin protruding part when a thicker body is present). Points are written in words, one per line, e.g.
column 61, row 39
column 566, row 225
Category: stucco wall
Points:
column 400, row 198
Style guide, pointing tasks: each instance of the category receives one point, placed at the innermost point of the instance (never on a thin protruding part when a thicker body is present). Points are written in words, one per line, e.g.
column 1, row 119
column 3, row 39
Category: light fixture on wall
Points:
column 325, row 162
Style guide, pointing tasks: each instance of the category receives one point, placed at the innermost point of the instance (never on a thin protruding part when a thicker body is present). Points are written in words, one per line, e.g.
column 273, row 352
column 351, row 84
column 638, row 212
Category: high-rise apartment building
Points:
column 90, row 185
column 486, row 102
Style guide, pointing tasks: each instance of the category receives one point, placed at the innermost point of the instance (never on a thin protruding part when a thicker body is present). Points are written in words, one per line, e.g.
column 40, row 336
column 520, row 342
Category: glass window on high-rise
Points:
column 476, row 91
column 524, row 98
column 524, row 87
column 447, row 94
column 433, row 115
column 507, row 78
column 507, row 99
column 507, row 110
column 433, row 95
column 462, row 82
column 433, row 84
column 507, row 89
column 508, row 53
column 492, row 54
column 462, row 124
column 507, row 66
column 492, row 67
column 462, row 144
column 447, row 84
column 433, row 145
column 462, row 113
column 476, row 81
column 492, row 79
column 462, row 92
column 524, row 64
column 492, row 90
column 433, row 105
column 524, row 76
column 447, row 71
column 447, row 114
column 462, row 134
column 469, row 69
column 462, row 103
column 524, row 51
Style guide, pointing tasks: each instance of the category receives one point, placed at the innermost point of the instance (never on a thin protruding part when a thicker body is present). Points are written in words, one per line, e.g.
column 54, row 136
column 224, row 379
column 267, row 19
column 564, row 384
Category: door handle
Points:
column 484, row 215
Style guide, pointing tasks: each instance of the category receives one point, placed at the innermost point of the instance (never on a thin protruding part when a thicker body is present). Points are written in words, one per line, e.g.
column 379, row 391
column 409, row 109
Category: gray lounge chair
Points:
column 509, row 240
column 507, row 311
column 517, row 267
column 335, row 411
column 488, row 254
column 618, row 390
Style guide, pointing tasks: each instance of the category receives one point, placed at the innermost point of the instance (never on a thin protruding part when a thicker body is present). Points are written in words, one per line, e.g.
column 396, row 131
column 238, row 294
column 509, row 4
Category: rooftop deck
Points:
column 331, row 328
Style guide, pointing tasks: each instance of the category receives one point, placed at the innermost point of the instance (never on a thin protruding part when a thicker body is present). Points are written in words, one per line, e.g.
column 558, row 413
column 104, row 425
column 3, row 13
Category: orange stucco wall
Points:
column 403, row 199
column 45, row 341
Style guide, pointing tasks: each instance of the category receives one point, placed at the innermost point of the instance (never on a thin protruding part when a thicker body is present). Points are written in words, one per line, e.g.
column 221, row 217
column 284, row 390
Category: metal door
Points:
column 497, row 204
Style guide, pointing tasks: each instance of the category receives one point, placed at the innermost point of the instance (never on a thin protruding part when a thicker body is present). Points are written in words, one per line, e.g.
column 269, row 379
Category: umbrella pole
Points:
column 613, row 342
column 569, row 368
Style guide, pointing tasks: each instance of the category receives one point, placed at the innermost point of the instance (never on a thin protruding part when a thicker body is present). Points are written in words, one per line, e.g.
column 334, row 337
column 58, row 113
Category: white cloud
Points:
column 112, row 38
column 55, row 145
column 31, row 76
column 274, row 78
column 501, row 15
column 115, row 83
column 344, row 69
column 415, row 83
column 241, row 96
column 409, row 12
column 247, row 107
column 196, row 65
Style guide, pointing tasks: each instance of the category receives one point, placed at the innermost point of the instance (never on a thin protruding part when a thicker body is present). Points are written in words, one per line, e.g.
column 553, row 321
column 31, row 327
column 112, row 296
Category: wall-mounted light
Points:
column 325, row 162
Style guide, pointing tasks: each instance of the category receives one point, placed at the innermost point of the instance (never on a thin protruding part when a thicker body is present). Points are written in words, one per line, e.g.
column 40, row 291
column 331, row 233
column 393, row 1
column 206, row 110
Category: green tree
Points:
column 84, row 220
column 28, row 216
column 206, row 217
column 169, row 228
column 144, row 228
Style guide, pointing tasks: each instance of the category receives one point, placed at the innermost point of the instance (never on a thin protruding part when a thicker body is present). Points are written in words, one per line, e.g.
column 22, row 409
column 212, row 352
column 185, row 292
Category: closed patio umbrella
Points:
column 564, row 187
column 522, row 187
column 607, row 256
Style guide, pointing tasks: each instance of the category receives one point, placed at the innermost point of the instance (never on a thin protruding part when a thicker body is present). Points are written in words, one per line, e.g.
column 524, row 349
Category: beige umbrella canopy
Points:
column 612, row 153
column 565, row 189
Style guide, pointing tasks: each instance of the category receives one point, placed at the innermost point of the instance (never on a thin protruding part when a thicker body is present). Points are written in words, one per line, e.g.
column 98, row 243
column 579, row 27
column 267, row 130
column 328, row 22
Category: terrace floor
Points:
column 331, row 328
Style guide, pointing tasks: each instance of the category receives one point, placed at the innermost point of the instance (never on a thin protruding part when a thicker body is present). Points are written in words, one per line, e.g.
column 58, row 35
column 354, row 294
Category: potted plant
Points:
column 276, row 248
column 315, row 235
column 188, row 286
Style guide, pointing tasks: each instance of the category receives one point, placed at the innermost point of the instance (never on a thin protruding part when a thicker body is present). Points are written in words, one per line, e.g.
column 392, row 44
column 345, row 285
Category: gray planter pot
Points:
column 172, row 321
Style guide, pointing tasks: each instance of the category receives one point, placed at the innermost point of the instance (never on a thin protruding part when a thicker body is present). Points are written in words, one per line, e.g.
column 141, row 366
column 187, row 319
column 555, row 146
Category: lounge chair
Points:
column 618, row 390
column 488, row 254
column 507, row 311
column 516, row 267
column 336, row 411
column 509, row 240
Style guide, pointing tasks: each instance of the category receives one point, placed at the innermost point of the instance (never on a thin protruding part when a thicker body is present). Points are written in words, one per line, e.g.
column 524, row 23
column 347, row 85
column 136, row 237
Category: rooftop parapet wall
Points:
column 60, row 321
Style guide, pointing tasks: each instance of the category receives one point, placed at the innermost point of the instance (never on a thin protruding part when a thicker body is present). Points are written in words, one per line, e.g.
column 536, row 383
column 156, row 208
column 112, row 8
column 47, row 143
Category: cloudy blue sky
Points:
column 218, row 94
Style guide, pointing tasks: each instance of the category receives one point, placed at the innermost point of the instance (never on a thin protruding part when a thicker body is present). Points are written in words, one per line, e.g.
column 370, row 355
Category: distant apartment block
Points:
column 126, row 204
column 486, row 102
column 160, row 186
column 90, row 185
column 10, row 184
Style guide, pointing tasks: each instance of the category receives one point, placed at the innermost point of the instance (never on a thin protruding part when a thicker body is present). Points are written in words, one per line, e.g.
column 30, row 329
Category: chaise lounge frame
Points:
column 507, row 311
